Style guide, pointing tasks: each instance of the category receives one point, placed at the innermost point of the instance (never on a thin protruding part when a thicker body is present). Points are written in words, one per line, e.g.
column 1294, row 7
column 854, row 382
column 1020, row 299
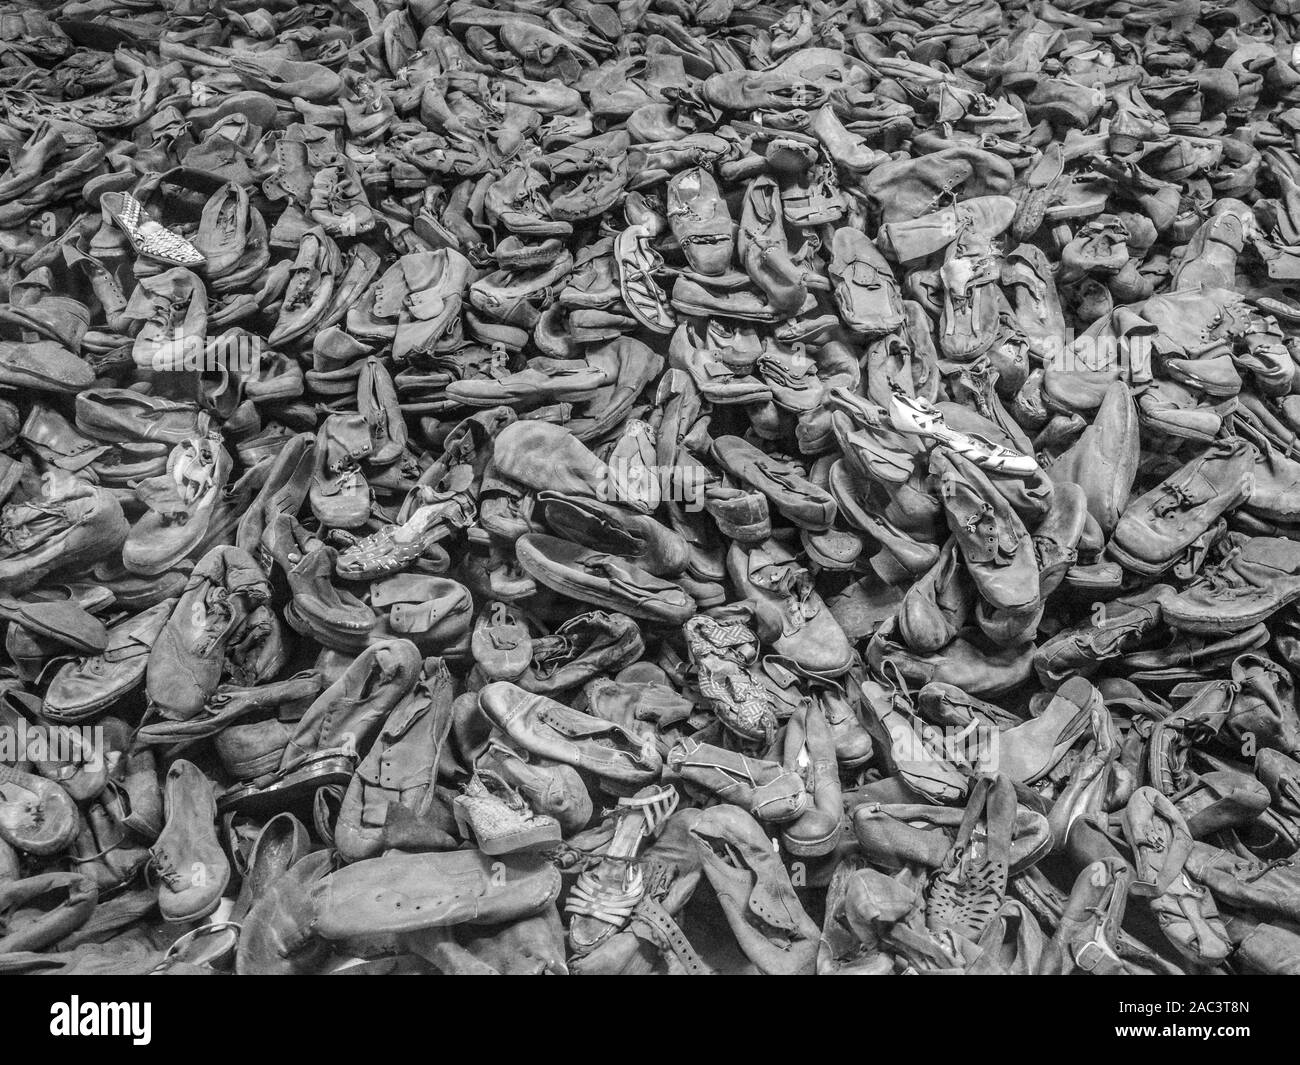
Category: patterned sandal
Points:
column 971, row 885
column 148, row 238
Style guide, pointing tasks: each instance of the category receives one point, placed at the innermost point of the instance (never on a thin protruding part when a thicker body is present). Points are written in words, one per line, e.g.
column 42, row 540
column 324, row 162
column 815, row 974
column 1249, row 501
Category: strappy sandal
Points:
column 604, row 898
column 971, row 885
column 644, row 297
column 395, row 547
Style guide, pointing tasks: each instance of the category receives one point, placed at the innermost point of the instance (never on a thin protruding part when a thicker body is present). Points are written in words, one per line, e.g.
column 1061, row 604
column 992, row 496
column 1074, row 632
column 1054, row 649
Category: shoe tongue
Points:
column 191, row 474
column 164, row 496
column 552, row 652
column 958, row 272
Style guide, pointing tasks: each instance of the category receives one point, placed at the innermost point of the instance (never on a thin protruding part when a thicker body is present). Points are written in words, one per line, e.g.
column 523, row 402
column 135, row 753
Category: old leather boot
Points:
column 700, row 221
column 1158, row 527
column 401, row 765
column 994, row 543
column 810, row 752
column 1256, row 579
column 186, row 662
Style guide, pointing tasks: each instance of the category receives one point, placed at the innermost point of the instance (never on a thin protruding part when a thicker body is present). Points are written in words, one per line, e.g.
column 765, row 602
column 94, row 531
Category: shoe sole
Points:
column 824, row 560
column 818, row 848
column 513, row 844
column 1160, row 428
column 540, row 572
column 537, row 398
column 208, row 910
column 289, row 790
column 1238, row 623
column 1137, row 565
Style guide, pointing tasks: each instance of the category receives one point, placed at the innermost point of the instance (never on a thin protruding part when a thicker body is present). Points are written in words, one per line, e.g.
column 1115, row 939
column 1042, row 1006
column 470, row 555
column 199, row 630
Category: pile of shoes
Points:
column 650, row 486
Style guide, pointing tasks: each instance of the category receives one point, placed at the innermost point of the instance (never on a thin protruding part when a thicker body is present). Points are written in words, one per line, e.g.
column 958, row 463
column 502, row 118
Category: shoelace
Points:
column 1222, row 575
column 1268, row 867
column 1177, row 498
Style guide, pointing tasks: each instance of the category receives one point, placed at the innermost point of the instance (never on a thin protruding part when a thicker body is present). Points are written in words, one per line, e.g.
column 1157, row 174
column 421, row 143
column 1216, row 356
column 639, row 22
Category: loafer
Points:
column 551, row 730
column 605, row 580
column 408, row 893
column 782, row 482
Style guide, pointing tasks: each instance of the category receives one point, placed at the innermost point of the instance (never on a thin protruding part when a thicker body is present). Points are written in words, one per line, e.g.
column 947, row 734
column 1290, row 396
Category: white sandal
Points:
column 909, row 414
column 604, row 897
